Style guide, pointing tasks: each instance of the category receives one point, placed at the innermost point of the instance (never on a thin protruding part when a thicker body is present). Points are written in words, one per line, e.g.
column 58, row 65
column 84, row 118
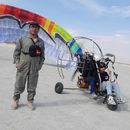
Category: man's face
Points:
column 102, row 69
column 33, row 29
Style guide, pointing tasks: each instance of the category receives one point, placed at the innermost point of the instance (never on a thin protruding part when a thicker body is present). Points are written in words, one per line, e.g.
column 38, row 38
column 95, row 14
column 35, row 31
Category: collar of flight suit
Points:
column 38, row 39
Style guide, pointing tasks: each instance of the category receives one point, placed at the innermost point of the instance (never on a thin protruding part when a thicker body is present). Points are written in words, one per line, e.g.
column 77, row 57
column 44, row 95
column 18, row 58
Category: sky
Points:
column 105, row 21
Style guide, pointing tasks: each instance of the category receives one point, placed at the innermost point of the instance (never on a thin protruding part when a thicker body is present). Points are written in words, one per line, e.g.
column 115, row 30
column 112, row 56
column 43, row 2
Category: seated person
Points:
column 109, row 86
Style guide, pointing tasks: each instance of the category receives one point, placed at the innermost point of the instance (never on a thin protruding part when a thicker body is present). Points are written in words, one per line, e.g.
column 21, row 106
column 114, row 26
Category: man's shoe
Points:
column 121, row 101
column 94, row 96
column 15, row 104
column 30, row 105
column 111, row 101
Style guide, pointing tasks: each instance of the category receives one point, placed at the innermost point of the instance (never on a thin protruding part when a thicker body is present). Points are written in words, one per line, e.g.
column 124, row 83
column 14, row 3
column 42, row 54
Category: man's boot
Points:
column 30, row 105
column 15, row 104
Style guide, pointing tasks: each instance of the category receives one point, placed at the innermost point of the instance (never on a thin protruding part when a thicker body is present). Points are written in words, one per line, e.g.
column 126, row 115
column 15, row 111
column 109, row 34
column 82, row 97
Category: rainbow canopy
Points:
column 23, row 17
column 14, row 23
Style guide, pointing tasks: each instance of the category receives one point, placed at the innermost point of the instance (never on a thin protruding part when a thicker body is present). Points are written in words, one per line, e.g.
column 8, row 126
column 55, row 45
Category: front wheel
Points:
column 59, row 87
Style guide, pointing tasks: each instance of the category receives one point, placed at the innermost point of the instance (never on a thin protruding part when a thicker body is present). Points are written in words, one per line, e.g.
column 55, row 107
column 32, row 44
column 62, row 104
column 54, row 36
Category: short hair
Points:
column 34, row 24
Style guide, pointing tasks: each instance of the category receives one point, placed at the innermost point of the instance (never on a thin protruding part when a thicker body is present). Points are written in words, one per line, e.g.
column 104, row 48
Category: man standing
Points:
column 29, row 58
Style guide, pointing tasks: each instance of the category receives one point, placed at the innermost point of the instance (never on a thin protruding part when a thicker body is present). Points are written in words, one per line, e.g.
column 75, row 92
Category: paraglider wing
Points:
column 58, row 43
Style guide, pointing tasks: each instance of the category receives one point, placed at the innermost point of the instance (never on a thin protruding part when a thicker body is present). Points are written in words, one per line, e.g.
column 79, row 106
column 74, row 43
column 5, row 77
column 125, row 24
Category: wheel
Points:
column 59, row 87
column 112, row 107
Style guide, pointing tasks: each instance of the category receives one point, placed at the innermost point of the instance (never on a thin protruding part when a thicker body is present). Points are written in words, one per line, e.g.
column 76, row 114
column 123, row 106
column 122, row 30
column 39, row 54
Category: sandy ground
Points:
column 72, row 110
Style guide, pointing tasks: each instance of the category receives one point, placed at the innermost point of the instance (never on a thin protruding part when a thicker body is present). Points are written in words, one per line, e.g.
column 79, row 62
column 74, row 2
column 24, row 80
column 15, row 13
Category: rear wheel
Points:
column 59, row 87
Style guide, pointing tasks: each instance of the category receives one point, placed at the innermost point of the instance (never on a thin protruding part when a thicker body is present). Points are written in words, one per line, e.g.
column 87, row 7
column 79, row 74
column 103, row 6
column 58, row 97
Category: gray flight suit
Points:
column 28, row 67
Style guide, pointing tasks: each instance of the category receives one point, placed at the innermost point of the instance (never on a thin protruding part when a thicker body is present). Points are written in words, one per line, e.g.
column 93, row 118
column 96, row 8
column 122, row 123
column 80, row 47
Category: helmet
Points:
column 102, row 65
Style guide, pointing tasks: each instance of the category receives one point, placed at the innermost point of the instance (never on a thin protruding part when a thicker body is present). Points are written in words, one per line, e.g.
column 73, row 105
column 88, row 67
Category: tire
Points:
column 112, row 107
column 59, row 87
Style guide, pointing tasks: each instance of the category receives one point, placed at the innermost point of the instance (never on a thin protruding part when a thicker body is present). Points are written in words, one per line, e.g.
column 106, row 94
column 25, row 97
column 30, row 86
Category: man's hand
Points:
column 17, row 66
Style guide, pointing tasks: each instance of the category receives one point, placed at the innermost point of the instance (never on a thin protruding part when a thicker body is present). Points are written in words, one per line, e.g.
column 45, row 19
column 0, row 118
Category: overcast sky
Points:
column 105, row 21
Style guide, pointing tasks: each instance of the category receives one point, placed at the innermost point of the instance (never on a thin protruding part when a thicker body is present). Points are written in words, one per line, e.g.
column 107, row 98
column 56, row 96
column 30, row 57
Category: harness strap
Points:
column 25, row 53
